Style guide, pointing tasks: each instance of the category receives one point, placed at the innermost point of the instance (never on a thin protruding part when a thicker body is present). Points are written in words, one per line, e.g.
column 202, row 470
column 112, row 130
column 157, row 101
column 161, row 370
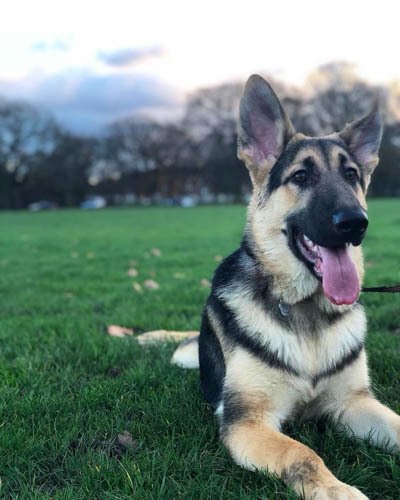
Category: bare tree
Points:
column 337, row 95
column 26, row 134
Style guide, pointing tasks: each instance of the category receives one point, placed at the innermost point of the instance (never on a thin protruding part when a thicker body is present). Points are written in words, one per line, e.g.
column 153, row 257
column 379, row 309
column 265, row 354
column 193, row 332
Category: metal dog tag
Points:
column 284, row 308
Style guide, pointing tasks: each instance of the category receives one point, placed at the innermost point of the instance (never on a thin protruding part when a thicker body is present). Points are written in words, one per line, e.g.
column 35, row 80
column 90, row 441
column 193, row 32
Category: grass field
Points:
column 68, row 389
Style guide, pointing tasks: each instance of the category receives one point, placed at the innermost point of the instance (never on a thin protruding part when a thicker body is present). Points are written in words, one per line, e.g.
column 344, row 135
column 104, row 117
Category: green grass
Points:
column 67, row 388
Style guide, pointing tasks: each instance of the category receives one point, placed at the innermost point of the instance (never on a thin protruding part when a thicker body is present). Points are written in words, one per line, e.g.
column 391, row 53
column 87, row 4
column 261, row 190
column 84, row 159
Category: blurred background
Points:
column 135, row 103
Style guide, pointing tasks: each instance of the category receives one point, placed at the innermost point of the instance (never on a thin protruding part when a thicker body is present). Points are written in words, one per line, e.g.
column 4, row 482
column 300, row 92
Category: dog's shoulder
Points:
column 230, row 270
column 240, row 270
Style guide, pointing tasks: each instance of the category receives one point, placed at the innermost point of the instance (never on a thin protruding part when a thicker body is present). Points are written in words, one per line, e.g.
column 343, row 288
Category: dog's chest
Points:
column 314, row 345
column 304, row 340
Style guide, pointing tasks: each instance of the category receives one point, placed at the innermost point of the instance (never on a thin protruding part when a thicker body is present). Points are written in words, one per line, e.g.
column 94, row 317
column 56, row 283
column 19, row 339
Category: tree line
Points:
column 142, row 160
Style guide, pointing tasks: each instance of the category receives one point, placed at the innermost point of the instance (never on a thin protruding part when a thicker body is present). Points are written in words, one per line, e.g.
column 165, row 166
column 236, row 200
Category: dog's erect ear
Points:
column 264, row 128
column 363, row 138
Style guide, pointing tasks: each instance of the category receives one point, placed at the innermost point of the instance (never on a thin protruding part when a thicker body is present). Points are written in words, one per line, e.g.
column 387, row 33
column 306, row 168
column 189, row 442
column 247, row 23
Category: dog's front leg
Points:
column 254, row 444
column 256, row 399
column 348, row 400
column 365, row 417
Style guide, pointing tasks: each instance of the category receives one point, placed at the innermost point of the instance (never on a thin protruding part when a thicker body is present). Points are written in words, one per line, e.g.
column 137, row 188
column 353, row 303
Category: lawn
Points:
column 68, row 388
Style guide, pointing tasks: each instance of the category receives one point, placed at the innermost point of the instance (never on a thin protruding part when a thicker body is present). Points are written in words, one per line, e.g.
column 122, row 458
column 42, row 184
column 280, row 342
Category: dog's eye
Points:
column 351, row 174
column 300, row 176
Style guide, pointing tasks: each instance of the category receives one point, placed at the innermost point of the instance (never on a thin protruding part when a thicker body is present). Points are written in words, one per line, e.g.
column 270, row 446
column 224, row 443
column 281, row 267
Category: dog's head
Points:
column 307, row 216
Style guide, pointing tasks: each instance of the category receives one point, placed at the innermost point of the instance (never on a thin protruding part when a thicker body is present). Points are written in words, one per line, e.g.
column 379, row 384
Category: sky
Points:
column 90, row 63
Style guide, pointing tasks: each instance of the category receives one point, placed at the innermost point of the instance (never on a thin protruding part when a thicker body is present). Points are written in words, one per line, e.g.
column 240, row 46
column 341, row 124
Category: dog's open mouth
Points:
column 334, row 266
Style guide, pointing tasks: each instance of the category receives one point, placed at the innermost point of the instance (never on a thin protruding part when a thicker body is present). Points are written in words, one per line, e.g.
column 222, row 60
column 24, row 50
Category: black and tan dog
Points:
column 282, row 333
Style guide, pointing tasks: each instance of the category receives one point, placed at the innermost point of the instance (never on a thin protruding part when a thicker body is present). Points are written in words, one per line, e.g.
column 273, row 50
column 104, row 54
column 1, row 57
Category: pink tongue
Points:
column 339, row 276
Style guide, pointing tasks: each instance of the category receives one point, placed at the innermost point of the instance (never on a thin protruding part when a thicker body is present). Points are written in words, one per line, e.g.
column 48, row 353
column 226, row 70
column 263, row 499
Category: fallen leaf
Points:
column 165, row 335
column 74, row 255
column 218, row 258
column 90, row 255
column 116, row 448
column 179, row 276
column 137, row 286
column 151, row 284
column 68, row 294
column 156, row 252
column 205, row 283
column 126, row 439
column 132, row 272
column 119, row 331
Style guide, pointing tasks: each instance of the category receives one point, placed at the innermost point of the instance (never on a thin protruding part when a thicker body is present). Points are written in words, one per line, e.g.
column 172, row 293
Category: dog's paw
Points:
column 339, row 491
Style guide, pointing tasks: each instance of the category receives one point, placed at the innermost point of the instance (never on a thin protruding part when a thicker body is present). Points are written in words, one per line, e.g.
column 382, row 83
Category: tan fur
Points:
column 258, row 173
column 254, row 445
column 246, row 376
column 365, row 417
column 266, row 224
column 300, row 157
column 217, row 327
column 357, row 257
column 336, row 161
column 333, row 393
column 270, row 396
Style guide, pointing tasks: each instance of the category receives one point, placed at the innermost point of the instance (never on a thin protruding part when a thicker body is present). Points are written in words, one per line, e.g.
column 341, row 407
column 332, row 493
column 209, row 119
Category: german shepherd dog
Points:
column 282, row 334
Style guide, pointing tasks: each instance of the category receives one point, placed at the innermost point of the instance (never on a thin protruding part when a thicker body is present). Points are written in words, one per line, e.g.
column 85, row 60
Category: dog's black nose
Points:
column 351, row 223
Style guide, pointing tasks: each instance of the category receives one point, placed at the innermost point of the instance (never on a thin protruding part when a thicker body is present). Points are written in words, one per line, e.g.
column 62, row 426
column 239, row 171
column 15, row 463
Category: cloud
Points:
column 57, row 45
column 84, row 102
column 127, row 57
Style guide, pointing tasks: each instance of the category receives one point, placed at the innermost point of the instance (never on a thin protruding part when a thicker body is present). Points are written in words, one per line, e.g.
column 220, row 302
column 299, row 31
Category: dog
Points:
column 282, row 333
